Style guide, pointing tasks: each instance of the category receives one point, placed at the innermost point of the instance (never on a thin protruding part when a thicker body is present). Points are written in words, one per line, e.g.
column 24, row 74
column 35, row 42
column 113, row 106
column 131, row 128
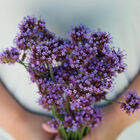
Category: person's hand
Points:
column 47, row 129
column 108, row 129
column 19, row 123
column 115, row 121
column 34, row 130
column 105, row 131
column 28, row 127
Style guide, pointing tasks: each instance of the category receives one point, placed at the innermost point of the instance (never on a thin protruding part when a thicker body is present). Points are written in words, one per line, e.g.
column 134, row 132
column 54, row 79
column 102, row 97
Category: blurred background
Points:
column 121, row 18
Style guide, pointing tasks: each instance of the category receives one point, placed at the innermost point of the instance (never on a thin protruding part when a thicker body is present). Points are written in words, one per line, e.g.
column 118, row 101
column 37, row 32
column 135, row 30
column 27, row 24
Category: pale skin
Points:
column 24, row 125
column 115, row 121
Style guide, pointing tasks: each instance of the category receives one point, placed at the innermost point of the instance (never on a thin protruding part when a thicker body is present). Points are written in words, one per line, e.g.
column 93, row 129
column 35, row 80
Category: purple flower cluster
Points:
column 79, row 34
column 51, row 95
column 32, row 31
column 10, row 56
column 71, row 74
column 74, row 120
column 54, row 123
column 131, row 102
column 47, row 51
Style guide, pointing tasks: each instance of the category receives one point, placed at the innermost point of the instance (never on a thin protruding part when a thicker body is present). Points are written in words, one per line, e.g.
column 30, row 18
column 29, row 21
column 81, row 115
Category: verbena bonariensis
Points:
column 72, row 74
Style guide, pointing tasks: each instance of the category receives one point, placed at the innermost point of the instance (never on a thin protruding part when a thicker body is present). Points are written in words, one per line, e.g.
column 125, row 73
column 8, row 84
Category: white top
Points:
column 121, row 18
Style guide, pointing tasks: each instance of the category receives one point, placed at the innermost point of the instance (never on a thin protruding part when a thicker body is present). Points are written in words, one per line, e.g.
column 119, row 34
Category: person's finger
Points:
column 58, row 137
column 48, row 129
column 88, row 137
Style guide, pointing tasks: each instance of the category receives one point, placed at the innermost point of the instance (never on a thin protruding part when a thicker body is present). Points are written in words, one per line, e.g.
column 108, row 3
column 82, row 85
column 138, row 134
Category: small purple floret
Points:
column 131, row 102
column 10, row 56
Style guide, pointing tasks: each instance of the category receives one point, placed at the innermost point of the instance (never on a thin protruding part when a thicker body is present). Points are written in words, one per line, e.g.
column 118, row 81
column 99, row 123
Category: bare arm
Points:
column 123, row 119
column 21, row 124
column 10, row 111
column 115, row 121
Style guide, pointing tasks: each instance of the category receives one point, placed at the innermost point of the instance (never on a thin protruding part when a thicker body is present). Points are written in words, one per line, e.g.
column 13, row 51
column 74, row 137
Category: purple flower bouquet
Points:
column 72, row 75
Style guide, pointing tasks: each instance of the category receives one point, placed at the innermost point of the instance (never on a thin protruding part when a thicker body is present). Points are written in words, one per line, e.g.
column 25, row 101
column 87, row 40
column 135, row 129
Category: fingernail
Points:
column 49, row 129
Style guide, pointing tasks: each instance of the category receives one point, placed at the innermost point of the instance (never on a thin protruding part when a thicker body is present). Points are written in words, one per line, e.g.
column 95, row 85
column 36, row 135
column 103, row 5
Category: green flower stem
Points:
column 52, row 77
column 67, row 106
column 81, row 134
column 43, row 74
column 87, row 130
column 56, row 114
column 40, row 73
column 111, row 101
column 73, row 135
column 51, row 73
column 63, row 133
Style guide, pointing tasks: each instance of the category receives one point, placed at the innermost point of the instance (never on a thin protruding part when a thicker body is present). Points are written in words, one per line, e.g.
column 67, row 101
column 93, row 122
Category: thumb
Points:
column 48, row 129
column 58, row 137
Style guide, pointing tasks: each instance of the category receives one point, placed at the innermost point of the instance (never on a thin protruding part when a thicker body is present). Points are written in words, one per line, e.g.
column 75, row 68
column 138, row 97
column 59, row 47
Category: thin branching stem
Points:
column 111, row 101
column 40, row 73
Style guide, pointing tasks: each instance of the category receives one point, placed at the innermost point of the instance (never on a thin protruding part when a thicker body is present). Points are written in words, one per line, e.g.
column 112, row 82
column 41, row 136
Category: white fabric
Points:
column 4, row 135
column 121, row 18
